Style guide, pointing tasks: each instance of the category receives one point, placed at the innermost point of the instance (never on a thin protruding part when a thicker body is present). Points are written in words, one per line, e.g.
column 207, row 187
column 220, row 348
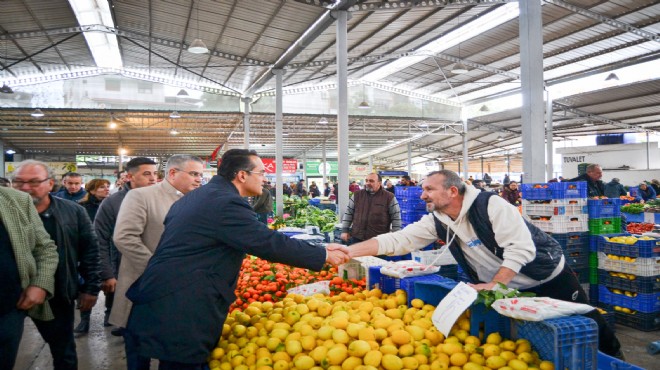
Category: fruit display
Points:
column 632, row 208
column 614, row 257
column 629, row 239
column 652, row 206
column 350, row 286
column 639, row 228
column 363, row 331
column 261, row 280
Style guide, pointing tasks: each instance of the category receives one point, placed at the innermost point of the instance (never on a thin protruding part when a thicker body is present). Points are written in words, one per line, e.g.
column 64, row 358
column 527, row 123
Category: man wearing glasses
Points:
column 182, row 299
column 138, row 230
column 69, row 226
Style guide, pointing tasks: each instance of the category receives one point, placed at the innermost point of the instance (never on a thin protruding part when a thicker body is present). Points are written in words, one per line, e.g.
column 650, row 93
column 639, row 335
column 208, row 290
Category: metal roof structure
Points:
column 42, row 42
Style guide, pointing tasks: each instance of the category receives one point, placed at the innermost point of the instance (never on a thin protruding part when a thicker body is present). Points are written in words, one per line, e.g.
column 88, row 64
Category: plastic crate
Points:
column 554, row 207
column 582, row 274
column 560, row 224
column 449, row 271
column 569, row 342
column 640, row 320
column 640, row 284
column 652, row 217
column 412, row 216
column 606, row 362
column 599, row 226
column 644, row 302
column 593, row 294
column 593, row 260
column 633, row 191
column 641, row 266
column 579, row 238
column 537, row 191
column 408, row 284
column 593, row 276
column 578, row 261
column 389, row 284
column 358, row 267
column 641, row 248
column 602, row 208
column 567, row 190
column 407, row 191
column 431, row 257
column 412, row 205
column 633, row 217
column 593, row 243
column 481, row 317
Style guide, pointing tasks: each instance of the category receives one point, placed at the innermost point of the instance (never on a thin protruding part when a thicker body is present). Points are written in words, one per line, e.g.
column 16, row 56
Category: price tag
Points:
column 452, row 306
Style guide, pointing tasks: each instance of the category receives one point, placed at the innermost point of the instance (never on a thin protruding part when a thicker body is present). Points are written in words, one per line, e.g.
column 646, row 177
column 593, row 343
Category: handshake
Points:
column 337, row 254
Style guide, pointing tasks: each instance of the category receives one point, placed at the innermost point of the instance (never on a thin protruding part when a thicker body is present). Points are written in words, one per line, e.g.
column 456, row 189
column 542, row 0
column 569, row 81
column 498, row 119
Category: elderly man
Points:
column 595, row 187
column 72, row 187
column 140, row 172
column 28, row 259
column 138, row 230
column 182, row 299
column 69, row 226
column 491, row 242
column 371, row 211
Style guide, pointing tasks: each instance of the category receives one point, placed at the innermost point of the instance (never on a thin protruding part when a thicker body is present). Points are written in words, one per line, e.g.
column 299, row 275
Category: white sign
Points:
column 452, row 306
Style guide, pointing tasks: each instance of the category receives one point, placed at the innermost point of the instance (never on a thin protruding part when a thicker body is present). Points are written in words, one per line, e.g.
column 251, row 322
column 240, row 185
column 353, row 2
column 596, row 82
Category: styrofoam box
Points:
column 641, row 266
column 561, row 224
column 554, row 207
column 431, row 257
column 358, row 267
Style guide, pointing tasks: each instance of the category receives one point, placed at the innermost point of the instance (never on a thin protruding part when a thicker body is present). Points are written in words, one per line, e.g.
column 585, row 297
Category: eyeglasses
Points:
column 32, row 183
column 259, row 173
column 191, row 173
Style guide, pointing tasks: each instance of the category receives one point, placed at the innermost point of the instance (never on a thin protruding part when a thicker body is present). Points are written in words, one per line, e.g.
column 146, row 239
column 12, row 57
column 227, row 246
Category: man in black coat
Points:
column 69, row 226
column 595, row 187
column 181, row 301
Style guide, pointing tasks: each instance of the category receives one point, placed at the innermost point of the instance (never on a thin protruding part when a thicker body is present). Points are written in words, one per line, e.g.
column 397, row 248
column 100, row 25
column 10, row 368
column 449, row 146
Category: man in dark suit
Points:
column 182, row 299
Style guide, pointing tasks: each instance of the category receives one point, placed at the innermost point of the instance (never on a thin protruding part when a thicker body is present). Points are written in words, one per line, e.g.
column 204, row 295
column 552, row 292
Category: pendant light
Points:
column 198, row 46
column 363, row 104
column 459, row 67
column 5, row 89
column 37, row 113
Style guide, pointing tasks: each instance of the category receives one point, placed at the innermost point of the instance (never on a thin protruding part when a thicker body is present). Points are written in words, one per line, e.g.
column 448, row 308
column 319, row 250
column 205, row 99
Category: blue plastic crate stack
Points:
column 629, row 279
column 560, row 209
column 412, row 206
column 604, row 218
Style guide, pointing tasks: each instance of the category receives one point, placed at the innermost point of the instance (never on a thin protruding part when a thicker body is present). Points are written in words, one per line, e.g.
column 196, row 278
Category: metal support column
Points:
column 279, row 191
column 409, row 158
column 342, row 109
column 246, row 122
column 2, row 159
column 482, row 166
column 304, row 168
column 549, row 148
column 371, row 163
column 466, row 168
column 322, row 167
column 648, row 152
column 531, row 68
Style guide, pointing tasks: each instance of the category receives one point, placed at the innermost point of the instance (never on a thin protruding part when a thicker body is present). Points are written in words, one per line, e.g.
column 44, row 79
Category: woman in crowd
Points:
column 314, row 191
column 511, row 193
column 645, row 193
column 97, row 190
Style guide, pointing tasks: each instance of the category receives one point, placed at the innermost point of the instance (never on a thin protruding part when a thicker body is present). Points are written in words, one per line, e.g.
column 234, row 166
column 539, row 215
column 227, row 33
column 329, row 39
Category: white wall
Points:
column 611, row 158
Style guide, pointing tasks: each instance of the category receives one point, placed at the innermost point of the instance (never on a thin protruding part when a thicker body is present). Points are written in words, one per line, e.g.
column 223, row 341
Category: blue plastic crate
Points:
column 537, row 191
column 569, row 342
column 582, row 274
column 408, row 284
column 641, row 248
column 412, row 216
column 572, row 239
column 389, row 284
column 593, row 243
column 593, row 295
column 480, row 317
column 564, row 190
column 606, row 362
column 408, row 191
column 412, row 205
column 640, row 284
column 601, row 208
column 633, row 217
column 578, row 262
column 644, row 302
column 633, row 191
column 640, row 320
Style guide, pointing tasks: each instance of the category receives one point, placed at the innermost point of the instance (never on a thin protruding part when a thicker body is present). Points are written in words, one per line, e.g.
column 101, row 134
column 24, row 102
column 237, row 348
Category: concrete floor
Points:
column 99, row 350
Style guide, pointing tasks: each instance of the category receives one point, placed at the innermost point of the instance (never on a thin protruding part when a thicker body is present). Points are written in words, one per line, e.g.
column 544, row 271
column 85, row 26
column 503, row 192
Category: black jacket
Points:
column 183, row 296
column 77, row 248
column 91, row 205
column 104, row 224
column 594, row 188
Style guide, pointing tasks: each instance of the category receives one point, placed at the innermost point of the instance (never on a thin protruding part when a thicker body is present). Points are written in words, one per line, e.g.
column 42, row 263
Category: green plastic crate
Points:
column 598, row 226
column 593, row 260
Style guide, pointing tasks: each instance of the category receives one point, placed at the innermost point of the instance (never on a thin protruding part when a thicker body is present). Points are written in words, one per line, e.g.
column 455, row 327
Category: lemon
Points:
column 410, row 363
column 516, row 364
column 391, row 362
column 472, row 366
column 494, row 338
column 546, row 365
column 417, row 303
column 495, row 362
column 458, row 359
column 400, row 337
column 336, row 355
column 373, row 358
column 358, row 348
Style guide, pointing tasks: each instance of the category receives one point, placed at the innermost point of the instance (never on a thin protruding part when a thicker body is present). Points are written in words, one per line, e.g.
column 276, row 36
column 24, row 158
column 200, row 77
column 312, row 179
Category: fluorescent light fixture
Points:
column 480, row 25
column 423, row 124
column 198, row 47
column 323, row 121
column 358, row 145
column 37, row 113
column 182, row 92
column 500, row 137
column 484, row 108
column 459, row 68
column 112, row 124
column 175, row 114
column 103, row 45
column 588, row 123
column 10, row 151
column 612, row 76
column 364, row 105
column 49, row 131
column 389, row 140
column 174, row 132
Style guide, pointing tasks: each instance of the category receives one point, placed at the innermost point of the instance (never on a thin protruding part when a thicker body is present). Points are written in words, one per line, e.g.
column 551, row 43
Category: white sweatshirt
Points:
column 510, row 230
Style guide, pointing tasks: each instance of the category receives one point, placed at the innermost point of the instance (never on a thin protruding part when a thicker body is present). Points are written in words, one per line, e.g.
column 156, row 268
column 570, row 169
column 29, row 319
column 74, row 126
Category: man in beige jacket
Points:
column 138, row 230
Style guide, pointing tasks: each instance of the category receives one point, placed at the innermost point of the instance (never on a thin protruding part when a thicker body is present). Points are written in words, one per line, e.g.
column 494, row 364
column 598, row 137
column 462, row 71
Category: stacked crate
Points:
column 629, row 277
column 604, row 218
column 412, row 206
column 560, row 209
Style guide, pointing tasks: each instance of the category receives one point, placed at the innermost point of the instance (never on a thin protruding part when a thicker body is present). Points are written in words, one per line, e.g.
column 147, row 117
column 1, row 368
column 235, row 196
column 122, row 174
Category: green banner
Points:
column 315, row 168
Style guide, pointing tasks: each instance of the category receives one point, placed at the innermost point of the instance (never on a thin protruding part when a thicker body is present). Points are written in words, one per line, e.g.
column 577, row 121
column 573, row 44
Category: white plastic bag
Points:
column 407, row 268
column 307, row 290
column 538, row 308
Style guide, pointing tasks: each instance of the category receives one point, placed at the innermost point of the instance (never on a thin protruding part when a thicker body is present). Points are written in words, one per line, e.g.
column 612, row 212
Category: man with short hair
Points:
column 72, row 187
column 182, row 299
column 492, row 243
column 137, row 232
column 371, row 211
column 595, row 186
column 405, row 181
column 28, row 260
column 69, row 226
column 614, row 189
column 479, row 184
column 140, row 172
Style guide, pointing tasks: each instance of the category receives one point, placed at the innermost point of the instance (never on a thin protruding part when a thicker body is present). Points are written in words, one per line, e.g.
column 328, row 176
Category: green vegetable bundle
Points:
column 500, row 291
column 632, row 208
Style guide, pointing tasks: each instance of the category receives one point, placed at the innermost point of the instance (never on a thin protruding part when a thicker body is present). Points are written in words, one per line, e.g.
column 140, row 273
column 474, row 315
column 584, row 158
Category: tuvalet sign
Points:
column 574, row 159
